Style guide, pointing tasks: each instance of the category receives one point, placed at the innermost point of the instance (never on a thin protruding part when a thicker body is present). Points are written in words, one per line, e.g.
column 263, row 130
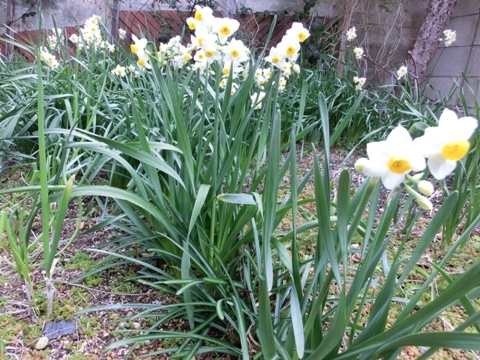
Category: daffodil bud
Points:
column 425, row 187
column 296, row 68
column 424, row 203
column 360, row 164
column 417, row 176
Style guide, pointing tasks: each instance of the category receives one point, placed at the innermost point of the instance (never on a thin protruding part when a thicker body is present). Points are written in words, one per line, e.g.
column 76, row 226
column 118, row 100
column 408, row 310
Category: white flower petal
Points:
column 399, row 135
column 447, row 118
column 429, row 145
column 375, row 168
column 417, row 162
column 440, row 167
column 465, row 127
column 378, row 150
column 391, row 180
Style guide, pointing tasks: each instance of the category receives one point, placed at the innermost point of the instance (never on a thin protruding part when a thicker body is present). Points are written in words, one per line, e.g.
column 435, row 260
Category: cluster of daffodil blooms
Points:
column 48, row 58
column 450, row 37
column 351, row 34
column 359, row 82
column 401, row 72
column 53, row 41
column 91, row 36
column 213, row 42
column 440, row 148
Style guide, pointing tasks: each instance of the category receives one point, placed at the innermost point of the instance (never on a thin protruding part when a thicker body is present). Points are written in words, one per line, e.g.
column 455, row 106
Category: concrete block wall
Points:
column 461, row 60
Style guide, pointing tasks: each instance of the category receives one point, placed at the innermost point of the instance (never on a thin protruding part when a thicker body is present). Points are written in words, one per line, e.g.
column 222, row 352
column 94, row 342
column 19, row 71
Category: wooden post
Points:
column 115, row 19
column 231, row 8
column 9, row 23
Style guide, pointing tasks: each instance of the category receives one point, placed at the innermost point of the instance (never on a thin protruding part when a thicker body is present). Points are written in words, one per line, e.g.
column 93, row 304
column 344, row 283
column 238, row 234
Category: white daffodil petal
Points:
column 429, row 145
column 377, row 150
column 399, row 135
column 391, row 180
column 375, row 169
column 417, row 161
column 448, row 117
column 466, row 127
column 440, row 167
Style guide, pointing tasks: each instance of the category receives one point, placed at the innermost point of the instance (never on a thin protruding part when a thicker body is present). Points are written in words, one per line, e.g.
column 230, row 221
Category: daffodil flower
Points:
column 226, row 28
column 73, row 38
column 401, row 72
column 393, row 158
column 359, row 82
column 351, row 34
column 235, row 51
column 289, row 47
column 202, row 20
column 358, row 51
column 447, row 143
column 450, row 37
column 276, row 57
column 299, row 31
column 257, row 99
column 138, row 46
column 119, row 71
column 121, row 33
column 143, row 62
column 211, row 51
column 192, row 23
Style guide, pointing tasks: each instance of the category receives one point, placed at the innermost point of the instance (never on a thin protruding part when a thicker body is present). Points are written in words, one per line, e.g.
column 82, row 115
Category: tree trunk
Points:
column 348, row 10
column 436, row 19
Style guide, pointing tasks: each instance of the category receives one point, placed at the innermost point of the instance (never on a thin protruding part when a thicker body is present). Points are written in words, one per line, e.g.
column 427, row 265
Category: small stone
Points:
column 136, row 325
column 41, row 343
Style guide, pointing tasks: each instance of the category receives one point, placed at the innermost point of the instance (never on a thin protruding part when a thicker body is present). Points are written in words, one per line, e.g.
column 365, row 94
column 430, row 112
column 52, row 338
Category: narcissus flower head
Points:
column 447, row 143
column 358, row 51
column 138, row 46
column 289, row 47
column 401, row 72
column 276, row 57
column 226, row 28
column 299, row 31
column 119, row 71
column 121, row 33
column 359, row 81
column 235, row 51
column 351, row 34
column 393, row 158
